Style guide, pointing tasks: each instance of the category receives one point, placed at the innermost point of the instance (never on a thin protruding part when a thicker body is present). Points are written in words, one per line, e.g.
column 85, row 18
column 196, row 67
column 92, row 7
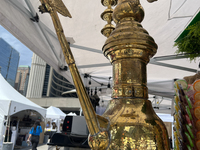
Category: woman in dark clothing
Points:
column 34, row 134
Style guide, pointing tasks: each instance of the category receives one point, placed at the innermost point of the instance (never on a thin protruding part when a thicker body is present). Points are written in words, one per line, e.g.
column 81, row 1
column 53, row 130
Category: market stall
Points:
column 54, row 120
column 187, row 114
column 164, row 28
column 17, row 114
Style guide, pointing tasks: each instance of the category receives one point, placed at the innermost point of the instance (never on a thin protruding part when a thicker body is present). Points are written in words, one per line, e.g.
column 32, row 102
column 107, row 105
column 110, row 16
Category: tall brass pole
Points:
column 129, row 122
column 52, row 7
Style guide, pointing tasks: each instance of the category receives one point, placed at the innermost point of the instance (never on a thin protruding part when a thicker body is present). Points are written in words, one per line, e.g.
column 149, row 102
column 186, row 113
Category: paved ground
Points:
column 46, row 147
column 40, row 147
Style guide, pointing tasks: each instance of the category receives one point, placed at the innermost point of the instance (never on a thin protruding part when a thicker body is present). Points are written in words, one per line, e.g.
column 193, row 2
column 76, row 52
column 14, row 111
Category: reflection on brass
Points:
column 129, row 121
column 134, row 125
column 107, row 29
column 52, row 7
column 133, row 122
column 58, row 5
column 109, row 2
column 99, row 141
column 107, row 16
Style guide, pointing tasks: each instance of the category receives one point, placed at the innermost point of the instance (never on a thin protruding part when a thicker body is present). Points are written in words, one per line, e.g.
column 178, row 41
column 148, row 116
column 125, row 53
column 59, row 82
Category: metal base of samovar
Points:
column 135, row 126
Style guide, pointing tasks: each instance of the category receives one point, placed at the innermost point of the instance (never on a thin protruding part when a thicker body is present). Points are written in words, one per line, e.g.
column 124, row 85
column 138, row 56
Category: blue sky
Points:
column 25, row 53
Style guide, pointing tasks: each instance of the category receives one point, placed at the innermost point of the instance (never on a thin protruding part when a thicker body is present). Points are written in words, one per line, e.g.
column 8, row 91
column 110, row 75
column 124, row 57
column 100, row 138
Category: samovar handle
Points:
column 96, row 124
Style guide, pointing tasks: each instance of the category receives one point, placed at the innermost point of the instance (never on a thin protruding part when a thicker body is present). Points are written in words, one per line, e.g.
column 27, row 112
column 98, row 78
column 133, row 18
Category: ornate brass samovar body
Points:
column 129, row 122
column 133, row 122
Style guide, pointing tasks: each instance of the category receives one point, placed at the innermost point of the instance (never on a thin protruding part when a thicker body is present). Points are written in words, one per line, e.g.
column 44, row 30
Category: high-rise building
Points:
column 59, row 84
column 22, row 78
column 44, row 81
column 9, row 60
column 18, row 80
column 36, row 78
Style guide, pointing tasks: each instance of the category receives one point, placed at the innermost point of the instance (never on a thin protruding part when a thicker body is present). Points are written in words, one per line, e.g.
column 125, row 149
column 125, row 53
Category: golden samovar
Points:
column 129, row 122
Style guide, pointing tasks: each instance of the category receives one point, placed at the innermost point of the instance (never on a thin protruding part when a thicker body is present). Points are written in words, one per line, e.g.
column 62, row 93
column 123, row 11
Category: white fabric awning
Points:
column 164, row 20
column 13, row 102
column 165, row 117
column 55, row 113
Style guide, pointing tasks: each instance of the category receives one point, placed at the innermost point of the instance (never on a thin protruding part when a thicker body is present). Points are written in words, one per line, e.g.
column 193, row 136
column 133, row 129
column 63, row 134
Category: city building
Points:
column 21, row 82
column 45, row 81
column 36, row 78
column 45, row 87
column 9, row 60
column 18, row 80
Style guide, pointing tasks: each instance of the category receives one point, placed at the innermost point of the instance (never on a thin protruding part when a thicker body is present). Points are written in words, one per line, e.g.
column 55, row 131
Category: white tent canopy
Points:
column 164, row 20
column 13, row 102
column 165, row 117
column 71, row 114
column 55, row 113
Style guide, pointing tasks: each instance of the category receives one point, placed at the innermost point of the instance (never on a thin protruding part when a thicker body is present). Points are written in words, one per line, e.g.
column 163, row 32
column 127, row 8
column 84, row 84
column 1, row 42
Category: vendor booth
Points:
column 164, row 21
column 17, row 115
column 54, row 120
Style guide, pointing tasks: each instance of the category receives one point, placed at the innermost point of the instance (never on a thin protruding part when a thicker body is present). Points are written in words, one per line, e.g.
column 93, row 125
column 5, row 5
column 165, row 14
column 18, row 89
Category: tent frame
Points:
column 32, row 13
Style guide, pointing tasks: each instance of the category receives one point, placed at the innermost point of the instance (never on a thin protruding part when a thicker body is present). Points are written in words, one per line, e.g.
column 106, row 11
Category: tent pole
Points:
column 80, row 111
column 33, row 12
column 8, row 129
column 7, row 123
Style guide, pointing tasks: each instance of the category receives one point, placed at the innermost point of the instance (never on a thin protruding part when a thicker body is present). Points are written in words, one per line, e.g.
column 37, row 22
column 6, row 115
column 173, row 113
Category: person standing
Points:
column 34, row 134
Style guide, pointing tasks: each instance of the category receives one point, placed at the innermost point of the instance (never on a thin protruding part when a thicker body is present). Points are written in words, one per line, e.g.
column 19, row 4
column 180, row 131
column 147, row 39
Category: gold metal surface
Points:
column 129, row 122
column 134, row 125
column 51, row 7
column 133, row 122
column 109, row 2
column 107, row 16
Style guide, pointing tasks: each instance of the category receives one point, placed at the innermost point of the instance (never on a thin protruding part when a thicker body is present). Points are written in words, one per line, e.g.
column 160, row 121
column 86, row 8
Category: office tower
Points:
column 36, row 78
column 22, row 78
column 18, row 80
column 44, row 81
column 9, row 60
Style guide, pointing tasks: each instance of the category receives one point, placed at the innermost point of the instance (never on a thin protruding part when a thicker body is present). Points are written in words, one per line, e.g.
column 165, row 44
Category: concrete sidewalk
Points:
column 40, row 147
